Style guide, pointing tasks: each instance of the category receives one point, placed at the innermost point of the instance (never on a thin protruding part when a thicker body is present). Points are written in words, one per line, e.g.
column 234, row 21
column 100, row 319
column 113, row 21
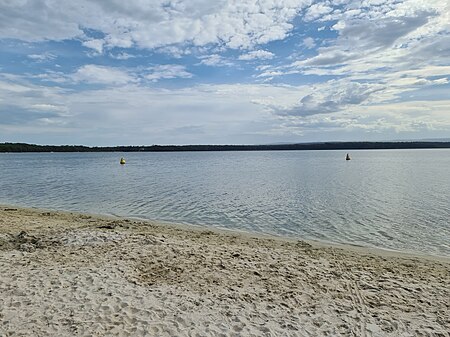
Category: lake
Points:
column 392, row 199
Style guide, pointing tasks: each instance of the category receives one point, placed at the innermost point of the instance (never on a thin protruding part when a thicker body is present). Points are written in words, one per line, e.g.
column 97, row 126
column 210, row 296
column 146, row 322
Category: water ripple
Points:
column 391, row 199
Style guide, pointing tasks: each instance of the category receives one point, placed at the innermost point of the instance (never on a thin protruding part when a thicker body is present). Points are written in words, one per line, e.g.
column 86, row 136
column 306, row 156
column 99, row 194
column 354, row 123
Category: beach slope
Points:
column 68, row 274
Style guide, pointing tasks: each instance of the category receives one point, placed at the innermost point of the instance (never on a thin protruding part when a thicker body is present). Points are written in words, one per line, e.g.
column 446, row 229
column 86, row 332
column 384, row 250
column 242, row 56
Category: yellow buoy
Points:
column 122, row 161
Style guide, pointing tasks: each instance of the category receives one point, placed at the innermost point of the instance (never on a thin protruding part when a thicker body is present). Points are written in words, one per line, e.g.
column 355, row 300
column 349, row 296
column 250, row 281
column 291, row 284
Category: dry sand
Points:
column 66, row 274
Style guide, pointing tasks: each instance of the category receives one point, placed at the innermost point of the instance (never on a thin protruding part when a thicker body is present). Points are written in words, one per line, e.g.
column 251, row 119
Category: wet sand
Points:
column 68, row 274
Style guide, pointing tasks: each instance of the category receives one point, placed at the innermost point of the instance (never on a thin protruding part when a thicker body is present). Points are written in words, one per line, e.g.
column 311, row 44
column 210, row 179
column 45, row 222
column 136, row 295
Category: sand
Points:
column 67, row 274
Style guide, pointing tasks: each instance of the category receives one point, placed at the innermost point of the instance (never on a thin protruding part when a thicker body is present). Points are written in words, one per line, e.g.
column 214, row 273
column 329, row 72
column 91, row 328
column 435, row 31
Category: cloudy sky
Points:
column 142, row 72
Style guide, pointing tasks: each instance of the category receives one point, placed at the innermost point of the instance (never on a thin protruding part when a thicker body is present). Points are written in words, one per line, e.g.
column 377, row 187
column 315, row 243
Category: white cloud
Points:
column 317, row 10
column 167, row 71
column 102, row 75
column 361, row 38
column 24, row 103
column 42, row 57
column 122, row 56
column 49, row 107
column 218, row 113
column 256, row 54
column 386, row 34
column 395, row 47
column 309, row 42
column 153, row 24
column 96, row 44
column 124, row 40
column 40, row 20
column 332, row 97
column 374, row 122
column 271, row 73
column 210, row 113
column 215, row 60
column 174, row 51
column 52, row 76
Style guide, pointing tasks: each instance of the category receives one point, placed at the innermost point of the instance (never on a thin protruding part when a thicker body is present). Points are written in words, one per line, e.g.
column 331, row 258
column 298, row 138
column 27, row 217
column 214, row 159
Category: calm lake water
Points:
column 394, row 199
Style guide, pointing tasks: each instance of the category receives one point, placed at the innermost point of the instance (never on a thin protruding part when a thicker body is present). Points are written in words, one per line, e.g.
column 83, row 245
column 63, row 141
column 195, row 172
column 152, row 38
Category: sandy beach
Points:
column 68, row 274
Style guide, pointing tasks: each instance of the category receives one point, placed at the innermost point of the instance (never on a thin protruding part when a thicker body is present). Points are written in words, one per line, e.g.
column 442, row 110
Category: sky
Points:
column 143, row 72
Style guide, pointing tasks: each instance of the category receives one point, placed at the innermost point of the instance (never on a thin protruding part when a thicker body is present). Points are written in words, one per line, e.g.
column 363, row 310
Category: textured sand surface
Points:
column 65, row 274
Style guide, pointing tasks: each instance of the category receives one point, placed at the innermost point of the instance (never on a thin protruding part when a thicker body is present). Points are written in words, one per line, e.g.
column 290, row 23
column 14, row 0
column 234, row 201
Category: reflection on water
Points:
column 396, row 199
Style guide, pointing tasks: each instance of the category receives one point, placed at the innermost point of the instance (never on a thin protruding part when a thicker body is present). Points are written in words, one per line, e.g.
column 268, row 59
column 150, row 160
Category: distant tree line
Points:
column 22, row 147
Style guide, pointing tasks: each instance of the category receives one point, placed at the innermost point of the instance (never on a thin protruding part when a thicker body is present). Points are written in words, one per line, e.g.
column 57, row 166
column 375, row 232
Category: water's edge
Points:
column 380, row 251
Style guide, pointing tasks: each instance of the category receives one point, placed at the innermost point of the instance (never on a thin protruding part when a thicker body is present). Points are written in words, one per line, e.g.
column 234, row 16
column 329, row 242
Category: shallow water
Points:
column 394, row 199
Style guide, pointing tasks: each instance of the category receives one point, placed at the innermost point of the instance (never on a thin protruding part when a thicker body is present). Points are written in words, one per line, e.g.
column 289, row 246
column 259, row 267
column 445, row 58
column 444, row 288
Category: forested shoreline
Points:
column 23, row 147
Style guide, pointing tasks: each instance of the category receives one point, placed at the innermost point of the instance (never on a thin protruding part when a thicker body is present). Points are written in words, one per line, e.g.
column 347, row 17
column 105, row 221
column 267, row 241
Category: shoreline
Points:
column 249, row 234
column 68, row 273
column 330, row 145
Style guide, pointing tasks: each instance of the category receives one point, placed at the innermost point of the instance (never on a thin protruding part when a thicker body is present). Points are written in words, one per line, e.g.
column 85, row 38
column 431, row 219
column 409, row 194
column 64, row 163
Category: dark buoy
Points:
column 347, row 157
